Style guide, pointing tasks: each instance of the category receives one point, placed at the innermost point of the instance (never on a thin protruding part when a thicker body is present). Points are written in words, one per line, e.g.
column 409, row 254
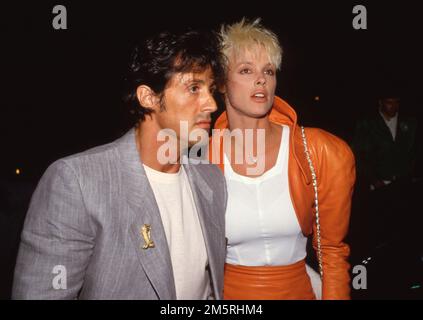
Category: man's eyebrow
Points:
column 198, row 81
column 194, row 81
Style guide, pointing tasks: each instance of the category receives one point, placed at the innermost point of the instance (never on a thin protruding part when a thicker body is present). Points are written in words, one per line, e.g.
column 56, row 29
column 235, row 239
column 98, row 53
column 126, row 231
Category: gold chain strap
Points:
column 316, row 201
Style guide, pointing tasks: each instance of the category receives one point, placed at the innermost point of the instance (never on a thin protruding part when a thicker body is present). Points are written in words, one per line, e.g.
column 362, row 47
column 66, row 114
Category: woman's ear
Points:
column 222, row 89
column 146, row 97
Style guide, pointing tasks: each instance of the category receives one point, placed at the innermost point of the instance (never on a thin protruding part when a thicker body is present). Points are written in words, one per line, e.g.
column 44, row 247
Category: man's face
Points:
column 188, row 98
column 389, row 106
column 251, row 82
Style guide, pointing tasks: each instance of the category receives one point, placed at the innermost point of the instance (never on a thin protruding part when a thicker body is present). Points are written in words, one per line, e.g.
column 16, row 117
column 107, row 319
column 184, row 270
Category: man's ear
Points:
column 146, row 97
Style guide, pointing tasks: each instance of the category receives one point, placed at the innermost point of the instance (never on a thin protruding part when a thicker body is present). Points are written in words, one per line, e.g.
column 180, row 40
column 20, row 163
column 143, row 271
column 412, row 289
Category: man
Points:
column 385, row 148
column 116, row 222
column 384, row 145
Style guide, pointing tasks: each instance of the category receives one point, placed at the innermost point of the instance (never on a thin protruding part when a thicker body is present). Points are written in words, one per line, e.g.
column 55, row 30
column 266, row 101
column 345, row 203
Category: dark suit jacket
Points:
column 378, row 155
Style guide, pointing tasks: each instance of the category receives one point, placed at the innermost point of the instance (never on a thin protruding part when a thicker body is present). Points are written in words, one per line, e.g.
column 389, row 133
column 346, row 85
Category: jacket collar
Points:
column 143, row 209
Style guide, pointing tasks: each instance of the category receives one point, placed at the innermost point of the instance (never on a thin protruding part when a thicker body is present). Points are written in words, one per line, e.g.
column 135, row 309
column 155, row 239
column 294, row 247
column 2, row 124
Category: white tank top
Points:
column 261, row 225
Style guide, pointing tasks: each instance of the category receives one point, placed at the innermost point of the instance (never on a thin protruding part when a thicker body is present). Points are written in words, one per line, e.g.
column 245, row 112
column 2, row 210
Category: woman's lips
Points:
column 259, row 96
column 259, row 99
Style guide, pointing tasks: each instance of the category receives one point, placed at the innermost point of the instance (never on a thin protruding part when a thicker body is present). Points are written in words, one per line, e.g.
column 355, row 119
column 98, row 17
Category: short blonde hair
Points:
column 244, row 35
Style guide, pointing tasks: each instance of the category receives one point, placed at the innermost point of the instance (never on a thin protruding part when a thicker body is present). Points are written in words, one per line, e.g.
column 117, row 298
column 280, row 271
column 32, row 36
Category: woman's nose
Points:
column 261, row 81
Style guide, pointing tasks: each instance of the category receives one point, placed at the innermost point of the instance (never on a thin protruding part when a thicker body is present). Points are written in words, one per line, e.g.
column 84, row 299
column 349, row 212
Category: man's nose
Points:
column 210, row 104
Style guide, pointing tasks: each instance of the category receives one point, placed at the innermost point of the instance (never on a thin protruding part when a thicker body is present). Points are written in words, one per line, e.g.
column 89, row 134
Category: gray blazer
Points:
column 86, row 215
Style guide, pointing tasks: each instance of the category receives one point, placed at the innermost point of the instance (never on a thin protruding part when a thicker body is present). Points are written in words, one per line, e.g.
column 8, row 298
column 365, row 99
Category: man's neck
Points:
column 386, row 116
column 148, row 147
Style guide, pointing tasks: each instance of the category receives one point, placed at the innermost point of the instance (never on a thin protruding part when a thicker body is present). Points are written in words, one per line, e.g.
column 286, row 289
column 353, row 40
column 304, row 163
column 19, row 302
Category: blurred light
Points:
column 316, row 98
column 416, row 287
column 18, row 171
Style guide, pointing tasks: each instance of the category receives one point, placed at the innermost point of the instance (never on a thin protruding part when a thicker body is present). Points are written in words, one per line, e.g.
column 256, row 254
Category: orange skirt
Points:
column 267, row 283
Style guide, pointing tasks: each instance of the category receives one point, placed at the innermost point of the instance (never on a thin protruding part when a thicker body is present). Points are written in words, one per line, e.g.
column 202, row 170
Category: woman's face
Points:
column 251, row 82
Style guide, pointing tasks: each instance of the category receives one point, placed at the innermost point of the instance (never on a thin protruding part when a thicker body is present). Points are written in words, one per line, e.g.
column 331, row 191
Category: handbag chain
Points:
column 316, row 201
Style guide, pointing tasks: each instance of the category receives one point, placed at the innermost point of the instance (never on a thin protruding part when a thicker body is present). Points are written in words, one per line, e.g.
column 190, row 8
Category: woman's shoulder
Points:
column 328, row 144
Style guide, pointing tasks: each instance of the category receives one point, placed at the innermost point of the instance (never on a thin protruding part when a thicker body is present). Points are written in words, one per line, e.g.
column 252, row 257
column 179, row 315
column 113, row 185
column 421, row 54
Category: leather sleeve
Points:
column 335, row 170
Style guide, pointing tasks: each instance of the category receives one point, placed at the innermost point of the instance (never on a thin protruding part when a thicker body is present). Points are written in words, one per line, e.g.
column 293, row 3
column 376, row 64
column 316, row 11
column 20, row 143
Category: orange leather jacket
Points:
column 334, row 164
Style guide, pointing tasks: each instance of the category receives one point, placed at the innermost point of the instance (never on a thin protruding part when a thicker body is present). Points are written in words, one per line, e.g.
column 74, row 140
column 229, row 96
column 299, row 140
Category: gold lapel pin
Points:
column 146, row 234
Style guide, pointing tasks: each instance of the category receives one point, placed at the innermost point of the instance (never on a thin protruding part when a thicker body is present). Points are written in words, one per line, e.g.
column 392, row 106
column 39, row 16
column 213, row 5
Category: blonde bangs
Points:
column 245, row 36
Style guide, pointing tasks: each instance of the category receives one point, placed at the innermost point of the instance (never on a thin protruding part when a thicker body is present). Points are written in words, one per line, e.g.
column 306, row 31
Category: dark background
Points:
column 61, row 89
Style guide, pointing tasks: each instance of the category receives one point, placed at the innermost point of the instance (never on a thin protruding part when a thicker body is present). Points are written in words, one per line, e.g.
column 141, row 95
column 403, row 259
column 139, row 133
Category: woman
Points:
column 271, row 211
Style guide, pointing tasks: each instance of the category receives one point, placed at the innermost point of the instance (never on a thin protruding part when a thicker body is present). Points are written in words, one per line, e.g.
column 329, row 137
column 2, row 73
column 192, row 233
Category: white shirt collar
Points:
column 391, row 123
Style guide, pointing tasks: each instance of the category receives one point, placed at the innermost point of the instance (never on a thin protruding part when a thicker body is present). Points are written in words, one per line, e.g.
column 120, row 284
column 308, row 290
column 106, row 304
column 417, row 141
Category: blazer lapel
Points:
column 143, row 210
column 384, row 129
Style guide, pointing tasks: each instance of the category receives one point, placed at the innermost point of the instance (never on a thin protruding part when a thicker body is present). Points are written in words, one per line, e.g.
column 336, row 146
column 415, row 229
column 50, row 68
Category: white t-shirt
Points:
column 183, row 233
column 261, row 225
